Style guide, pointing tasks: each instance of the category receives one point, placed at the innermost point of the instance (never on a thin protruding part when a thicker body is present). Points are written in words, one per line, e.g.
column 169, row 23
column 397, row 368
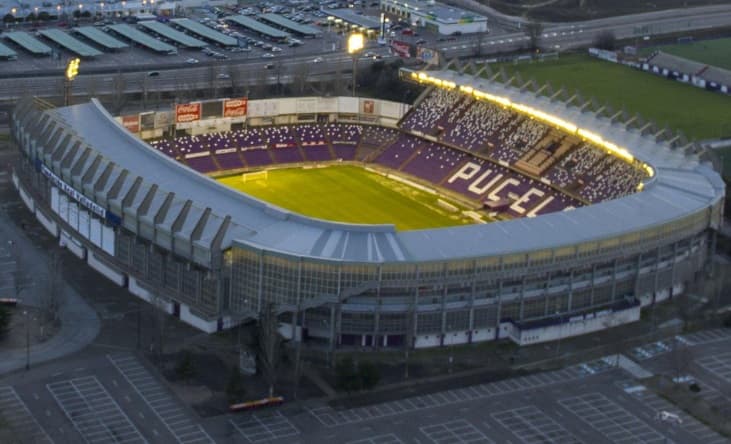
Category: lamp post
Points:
column 72, row 70
column 356, row 41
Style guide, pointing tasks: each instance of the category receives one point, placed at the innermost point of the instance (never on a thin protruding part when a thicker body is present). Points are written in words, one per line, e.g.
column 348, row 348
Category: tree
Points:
column 119, row 99
column 534, row 31
column 606, row 40
column 681, row 358
column 346, row 377
column 51, row 297
column 185, row 368
column 5, row 317
column 235, row 387
column 44, row 16
column 8, row 18
column 368, row 374
column 32, row 17
column 269, row 345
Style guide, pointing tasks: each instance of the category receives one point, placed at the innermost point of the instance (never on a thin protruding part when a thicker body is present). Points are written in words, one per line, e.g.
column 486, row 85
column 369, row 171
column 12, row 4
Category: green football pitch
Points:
column 711, row 52
column 350, row 194
column 699, row 114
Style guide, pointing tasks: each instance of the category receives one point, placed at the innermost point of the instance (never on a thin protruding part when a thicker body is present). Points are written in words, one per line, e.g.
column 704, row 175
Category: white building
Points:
column 436, row 16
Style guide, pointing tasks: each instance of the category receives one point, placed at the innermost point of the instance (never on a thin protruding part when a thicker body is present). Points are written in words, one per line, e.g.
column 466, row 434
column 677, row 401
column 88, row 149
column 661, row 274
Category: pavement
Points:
column 79, row 322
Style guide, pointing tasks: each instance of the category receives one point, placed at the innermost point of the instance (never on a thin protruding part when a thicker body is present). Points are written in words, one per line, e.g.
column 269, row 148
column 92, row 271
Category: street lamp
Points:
column 356, row 41
column 72, row 70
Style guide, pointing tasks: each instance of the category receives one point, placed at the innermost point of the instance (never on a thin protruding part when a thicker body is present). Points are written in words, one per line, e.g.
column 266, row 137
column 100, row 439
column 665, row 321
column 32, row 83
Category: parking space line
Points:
column 134, row 372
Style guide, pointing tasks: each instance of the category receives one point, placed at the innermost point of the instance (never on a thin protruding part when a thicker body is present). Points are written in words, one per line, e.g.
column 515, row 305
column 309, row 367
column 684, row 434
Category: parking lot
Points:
column 118, row 398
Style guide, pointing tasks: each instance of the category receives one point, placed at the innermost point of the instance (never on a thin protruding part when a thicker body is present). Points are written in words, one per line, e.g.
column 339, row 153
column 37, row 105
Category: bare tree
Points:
column 21, row 275
column 51, row 296
column 269, row 345
column 300, row 77
column 119, row 99
column 534, row 31
column 681, row 358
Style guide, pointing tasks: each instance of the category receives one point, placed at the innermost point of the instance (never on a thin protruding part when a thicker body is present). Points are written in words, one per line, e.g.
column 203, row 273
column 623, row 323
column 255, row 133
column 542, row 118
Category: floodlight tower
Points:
column 72, row 70
column 356, row 42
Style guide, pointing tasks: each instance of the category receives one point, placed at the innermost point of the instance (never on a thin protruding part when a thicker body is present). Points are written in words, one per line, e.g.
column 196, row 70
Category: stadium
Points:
column 478, row 213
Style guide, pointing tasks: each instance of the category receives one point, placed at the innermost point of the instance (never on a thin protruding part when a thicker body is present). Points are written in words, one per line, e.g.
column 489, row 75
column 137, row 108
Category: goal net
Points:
column 256, row 175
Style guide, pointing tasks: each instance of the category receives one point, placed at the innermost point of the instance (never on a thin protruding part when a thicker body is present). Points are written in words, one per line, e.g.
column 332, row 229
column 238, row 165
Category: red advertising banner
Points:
column 235, row 107
column 187, row 112
column 400, row 49
column 132, row 123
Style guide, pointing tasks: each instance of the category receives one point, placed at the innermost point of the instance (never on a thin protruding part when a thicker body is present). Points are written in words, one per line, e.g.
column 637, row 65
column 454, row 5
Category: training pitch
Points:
column 351, row 194
column 711, row 52
column 699, row 114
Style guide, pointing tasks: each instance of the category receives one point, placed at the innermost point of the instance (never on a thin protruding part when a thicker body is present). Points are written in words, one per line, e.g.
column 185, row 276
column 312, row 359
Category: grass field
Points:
column 699, row 114
column 348, row 194
column 711, row 52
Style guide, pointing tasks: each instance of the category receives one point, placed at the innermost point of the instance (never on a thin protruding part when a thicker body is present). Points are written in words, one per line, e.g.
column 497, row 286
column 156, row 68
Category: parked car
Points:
column 192, row 61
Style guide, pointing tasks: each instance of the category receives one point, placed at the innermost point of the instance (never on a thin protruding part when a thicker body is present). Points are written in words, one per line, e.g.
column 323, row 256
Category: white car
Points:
column 276, row 49
column 267, row 55
column 223, row 76
column 317, row 60
column 192, row 61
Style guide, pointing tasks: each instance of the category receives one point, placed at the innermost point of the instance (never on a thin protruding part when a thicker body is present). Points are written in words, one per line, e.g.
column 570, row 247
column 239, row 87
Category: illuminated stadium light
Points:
column 356, row 42
column 72, row 69
column 569, row 127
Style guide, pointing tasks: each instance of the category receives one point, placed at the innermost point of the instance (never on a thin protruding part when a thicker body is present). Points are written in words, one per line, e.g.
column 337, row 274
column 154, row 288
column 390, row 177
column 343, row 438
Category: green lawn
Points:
column 711, row 52
column 348, row 194
column 699, row 114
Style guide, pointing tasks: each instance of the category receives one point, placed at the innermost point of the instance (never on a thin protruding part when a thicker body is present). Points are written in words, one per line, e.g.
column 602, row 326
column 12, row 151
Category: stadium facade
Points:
column 214, row 257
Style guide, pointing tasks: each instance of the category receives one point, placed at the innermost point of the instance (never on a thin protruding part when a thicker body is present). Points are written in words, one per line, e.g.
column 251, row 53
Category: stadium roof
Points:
column 681, row 187
column 70, row 43
column 100, row 38
column 261, row 28
column 6, row 52
column 141, row 38
column 293, row 26
column 28, row 42
column 205, row 32
column 172, row 34
column 349, row 16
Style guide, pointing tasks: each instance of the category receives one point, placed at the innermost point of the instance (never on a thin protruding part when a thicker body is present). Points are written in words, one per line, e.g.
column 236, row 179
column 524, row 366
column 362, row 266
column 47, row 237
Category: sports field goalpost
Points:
column 254, row 176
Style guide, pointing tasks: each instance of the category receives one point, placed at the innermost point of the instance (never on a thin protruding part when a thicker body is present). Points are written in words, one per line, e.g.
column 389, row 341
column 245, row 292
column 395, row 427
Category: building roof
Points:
column 28, row 42
column 141, row 38
column 169, row 33
column 439, row 12
column 261, row 28
column 6, row 52
column 364, row 21
column 100, row 38
column 205, row 32
column 293, row 26
column 72, row 44
column 680, row 188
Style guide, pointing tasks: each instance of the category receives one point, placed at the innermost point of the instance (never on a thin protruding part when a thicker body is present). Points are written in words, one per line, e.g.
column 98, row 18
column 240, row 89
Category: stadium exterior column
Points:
column 260, row 288
column 638, row 269
column 614, row 279
column 377, row 311
column 331, row 345
column 593, row 283
column 443, row 307
column 571, row 291
column 499, row 299
column 473, row 287
column 657, row 275
column 522, row 298
column 672, row 267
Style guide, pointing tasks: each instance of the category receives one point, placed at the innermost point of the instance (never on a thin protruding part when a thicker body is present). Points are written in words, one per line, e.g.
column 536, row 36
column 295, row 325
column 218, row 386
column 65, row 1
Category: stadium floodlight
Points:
column 72, row 70
column 356, row 42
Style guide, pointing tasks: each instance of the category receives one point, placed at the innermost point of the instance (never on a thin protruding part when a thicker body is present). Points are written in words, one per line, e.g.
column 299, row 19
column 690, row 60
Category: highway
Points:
column 247, row 73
